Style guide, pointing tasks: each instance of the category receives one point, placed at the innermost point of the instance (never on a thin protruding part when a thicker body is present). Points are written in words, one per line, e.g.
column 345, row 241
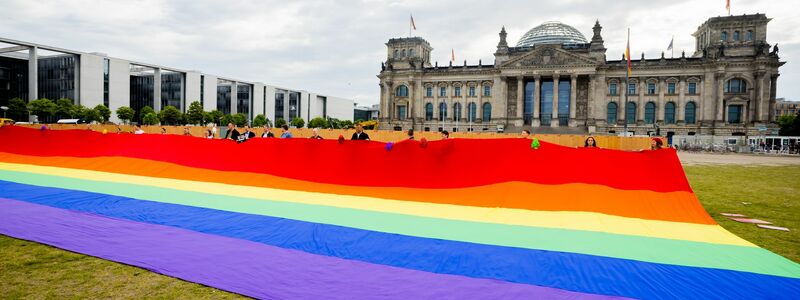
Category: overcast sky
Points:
column 336, row 47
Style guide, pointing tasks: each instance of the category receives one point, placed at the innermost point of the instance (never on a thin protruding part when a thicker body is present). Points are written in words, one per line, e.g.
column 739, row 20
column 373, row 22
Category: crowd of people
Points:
column 234, row 134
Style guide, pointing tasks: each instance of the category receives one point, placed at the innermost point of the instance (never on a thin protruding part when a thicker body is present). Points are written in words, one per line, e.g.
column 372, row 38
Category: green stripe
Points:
column 657, row 250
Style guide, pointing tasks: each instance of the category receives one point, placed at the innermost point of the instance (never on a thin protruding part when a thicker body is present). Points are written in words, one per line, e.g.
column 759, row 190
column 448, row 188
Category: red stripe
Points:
column 442, row 164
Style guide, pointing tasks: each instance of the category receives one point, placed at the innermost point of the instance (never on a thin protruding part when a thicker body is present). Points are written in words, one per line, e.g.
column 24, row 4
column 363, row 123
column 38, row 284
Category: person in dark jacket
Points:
column 232, row 133
column 267, row 133
column 360, row 134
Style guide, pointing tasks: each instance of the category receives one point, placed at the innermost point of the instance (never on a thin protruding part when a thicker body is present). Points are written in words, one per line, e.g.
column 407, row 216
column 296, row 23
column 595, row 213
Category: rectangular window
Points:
column 428, row 92
column 671, row 88
column 401, row 112
column 442, row 91
column 631, row 88
column 487, row 91
column 651, row 88
column 106, row 69
column 734, row 114
column 457, row 91
column 612, row 89
column 472, row 91
column 202, row 88
column 692, row 88
column 546, row 101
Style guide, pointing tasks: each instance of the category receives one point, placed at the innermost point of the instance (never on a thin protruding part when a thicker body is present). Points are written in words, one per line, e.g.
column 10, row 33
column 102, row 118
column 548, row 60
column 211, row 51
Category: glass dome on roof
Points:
column 552, row 33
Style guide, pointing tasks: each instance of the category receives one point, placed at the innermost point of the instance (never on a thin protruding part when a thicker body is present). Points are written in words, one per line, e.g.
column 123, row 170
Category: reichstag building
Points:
column 556, row 81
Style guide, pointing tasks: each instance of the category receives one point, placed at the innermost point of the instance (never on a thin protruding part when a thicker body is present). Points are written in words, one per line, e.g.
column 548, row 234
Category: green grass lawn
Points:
column 774, row 194
column 32, row 270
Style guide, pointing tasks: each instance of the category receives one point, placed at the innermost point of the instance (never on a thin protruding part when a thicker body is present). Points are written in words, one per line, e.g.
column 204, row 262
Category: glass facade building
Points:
column 141, row 93
column 172, row 90
column 57, row 77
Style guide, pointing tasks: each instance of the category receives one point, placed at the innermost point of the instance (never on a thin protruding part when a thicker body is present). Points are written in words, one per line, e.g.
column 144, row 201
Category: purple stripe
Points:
column 246, row 267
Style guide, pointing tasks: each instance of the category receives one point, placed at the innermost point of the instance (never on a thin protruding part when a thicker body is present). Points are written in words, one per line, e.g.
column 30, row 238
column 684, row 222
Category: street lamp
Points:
column 4, row 108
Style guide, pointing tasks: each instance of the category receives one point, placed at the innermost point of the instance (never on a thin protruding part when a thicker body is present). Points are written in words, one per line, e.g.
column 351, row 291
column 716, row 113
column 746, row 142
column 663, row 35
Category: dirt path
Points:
column 690, row 158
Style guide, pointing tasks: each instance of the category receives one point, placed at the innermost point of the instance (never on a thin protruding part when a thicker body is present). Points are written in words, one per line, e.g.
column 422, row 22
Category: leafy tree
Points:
column 240, row 119
column 226, row 119
column 43, row 108
column 91, row 115
column 64, row 108
column 144, row 111
column 125, row 114
column 18, row 109
column 280, row 122
column 150, row 119
column 790, row 125
column 195, row 114
column 318, row 122
column 170, row 115
column 104, row 112
column 298, row 122
column 259, row 120
column 214, row 116
column 346, row 124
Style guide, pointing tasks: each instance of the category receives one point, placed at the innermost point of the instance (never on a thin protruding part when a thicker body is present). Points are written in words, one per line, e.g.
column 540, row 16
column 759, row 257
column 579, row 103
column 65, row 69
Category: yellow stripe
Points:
column 587, row 221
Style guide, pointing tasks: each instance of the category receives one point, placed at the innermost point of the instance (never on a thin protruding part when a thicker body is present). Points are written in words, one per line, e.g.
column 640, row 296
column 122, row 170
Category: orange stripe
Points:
column 672, row 206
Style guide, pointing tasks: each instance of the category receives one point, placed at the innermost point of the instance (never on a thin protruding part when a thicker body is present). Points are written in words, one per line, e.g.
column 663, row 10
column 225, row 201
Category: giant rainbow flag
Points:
column 320, row 219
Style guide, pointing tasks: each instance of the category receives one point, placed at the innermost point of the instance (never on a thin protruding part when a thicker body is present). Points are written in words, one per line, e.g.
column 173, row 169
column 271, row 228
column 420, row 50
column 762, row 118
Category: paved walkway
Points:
column 692, row 158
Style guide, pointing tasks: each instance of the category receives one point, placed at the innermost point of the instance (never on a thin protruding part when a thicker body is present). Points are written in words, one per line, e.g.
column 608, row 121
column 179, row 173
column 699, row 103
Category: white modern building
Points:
column 31, row 71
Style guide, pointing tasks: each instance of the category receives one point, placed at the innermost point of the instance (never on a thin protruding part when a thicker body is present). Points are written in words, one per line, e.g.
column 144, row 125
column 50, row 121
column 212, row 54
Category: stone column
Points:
column 464, row 106
column 662, row 87
column 157, row 89
column 573, row 94
column 33, row 74
column 720, row 97
column 681, row 106
column 410, row 100
column 555, row 102
column 419, row 105
column 536, row 99
column 623, row 102
column 479, row 105
column 235, row 99
column 520, row 100
column 642, row 101
column 591, row 100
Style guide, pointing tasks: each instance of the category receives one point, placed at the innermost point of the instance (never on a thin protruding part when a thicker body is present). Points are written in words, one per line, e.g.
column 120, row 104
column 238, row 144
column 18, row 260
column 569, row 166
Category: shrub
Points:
column 150, row 119
column 125, row 114
column 318, row 122
column 298, row 122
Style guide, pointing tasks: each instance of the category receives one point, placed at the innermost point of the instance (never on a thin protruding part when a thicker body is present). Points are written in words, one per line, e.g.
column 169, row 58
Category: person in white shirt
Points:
column 138, row 130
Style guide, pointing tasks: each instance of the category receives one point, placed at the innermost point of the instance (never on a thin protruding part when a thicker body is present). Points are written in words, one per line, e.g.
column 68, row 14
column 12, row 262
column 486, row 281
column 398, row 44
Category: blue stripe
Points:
column 570, row 271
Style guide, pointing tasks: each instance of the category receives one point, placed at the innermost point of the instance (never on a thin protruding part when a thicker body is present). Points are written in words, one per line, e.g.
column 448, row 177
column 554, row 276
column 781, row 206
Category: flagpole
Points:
column 627, row 84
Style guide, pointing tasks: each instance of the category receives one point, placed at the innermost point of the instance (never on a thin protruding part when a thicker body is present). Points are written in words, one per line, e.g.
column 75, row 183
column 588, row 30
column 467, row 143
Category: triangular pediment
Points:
column 548, row 56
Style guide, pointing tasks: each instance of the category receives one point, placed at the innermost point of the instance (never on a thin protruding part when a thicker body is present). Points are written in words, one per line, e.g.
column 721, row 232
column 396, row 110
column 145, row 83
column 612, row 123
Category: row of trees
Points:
column 48, row 111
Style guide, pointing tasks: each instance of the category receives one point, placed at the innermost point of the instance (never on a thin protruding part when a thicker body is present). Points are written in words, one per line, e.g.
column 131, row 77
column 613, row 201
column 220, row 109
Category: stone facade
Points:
column 726, row 87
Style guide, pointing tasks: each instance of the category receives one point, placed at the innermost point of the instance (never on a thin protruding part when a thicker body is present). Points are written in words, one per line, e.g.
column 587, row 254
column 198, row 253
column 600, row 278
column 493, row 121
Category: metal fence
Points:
column 742, row 144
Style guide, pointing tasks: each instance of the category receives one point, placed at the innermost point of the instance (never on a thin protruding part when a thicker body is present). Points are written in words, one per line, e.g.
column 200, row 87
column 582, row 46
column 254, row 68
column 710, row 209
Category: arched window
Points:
column 736, row 85
column 723, row 36
column 403, row 53
column 650, row 113
column 429, row 112
column 442, row 111
column 402, row 91
column 487, row 112
column 749, row 35
column 736, row 35
column 689, row 115
column 630, row 112
column 669, row 113
column 471, row 112
column 611, row 113
column 395, row 53
column 456, row 111
column 410, row 52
